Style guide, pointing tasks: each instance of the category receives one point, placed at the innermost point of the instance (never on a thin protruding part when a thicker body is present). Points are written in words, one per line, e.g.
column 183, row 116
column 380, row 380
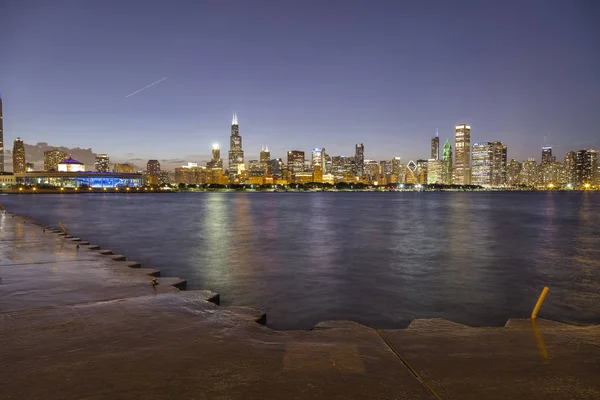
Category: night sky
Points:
column 300, row 74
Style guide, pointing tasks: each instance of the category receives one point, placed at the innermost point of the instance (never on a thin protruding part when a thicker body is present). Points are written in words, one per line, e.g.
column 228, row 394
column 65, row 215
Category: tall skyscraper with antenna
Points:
column 435, row 146
column 236, row 154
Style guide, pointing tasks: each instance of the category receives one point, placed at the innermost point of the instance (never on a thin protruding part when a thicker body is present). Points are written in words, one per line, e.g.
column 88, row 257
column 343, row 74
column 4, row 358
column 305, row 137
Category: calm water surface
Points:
column 381, row 259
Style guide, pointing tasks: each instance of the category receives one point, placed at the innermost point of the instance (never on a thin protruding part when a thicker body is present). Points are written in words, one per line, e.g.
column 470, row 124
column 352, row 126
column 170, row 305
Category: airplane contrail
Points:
column 146, row 87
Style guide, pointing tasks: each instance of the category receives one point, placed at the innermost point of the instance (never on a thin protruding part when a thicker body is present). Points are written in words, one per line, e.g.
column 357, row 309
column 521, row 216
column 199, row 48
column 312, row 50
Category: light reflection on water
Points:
column 377, row 258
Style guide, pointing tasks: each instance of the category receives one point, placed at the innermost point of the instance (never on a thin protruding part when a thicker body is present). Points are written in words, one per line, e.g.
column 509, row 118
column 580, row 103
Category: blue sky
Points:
column 300, row 74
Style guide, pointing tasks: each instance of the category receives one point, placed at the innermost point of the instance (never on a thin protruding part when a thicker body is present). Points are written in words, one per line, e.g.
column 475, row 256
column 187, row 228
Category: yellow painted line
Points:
column 410, row 368
column 538, row 305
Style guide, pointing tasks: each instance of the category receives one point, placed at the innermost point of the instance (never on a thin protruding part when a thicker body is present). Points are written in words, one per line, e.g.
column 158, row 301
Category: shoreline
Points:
column 71, row 309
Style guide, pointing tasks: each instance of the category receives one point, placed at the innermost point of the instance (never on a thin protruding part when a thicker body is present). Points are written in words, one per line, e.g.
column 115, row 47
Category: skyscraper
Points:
column 153, row 171
column 530, row 173
column 318, row 158
column 52, row 158
column 434, row 171
column 1, row 139
column 513, row 173
column 435, row 147
column 462, row 158
column 571, row 168
column 236, row 154
column 18, row 156
column 295, row 161
column 359, row 159
column 547, row 155
column 482, row 164
column 586, row 166
column 447, row 163
column 264, row 159
column 215, row 162
column 499, row 154
column 102, row 163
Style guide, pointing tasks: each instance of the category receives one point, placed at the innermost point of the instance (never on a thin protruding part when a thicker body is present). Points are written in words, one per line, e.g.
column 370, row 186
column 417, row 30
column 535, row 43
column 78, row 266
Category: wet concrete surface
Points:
column 78, row 324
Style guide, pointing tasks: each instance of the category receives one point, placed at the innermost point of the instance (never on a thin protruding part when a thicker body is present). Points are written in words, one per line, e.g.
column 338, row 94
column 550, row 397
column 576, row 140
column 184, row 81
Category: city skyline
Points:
column 293, row 87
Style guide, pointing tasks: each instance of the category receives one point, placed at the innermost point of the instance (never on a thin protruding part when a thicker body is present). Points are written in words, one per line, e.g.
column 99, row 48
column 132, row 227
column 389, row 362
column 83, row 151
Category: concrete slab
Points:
column 524, row 360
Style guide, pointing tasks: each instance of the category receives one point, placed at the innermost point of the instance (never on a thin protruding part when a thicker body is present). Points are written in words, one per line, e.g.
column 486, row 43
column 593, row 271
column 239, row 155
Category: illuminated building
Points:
column 236, row 154
column 124, row 168
column 434, row 171
column 318, row 158
column 295, row 161
column 18, row 156
column 571, row 168
column 396, row 171
column 256, row 172
column 341, row 167
column 102, row 163
column 29, row 167
column 530, row 173
column 191, row 174
column 586, row 166
column 499, row 153
column 447, row 163
column 547, row 155
column 215, row 162
column 70, row 165
column 552, row 173
column 265, row 158
column 95, row 180
column 276, row 167
column 410, row 174
column 371, row 171
column 153, row 170
column 303, row 177
column 359, row 160
column 435, row 147
column 328, row 178
column 383, row 173
column 514, row 173
column 481, row 170
column 168, row 177
column 52, row 158
column 317, row 173
column 1, row 139
column 462, row 156
column 421, row 172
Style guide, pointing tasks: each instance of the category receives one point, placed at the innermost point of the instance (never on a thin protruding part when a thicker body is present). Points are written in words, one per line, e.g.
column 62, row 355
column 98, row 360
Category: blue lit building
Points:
column 95, row 180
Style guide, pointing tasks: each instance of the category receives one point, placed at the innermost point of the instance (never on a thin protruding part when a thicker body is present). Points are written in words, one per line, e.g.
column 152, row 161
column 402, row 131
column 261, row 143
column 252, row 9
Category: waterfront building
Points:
column 396, row 170
column 547, row 155
column 462, row 157
column 29, row 167
column 553, row 173
column 342, row 167
column 447, row 163
column 236, row 154
column 530, row 172
column 317, row 173
column 371, row 170
column 488, row 166
column 328, row 178
column 1, row 138
column 153, row 171
column 70, row 165
column 276, row 168
column 265, row 158
column 191, row 174
column 18, row 156
column 52, row 158
column 513, row 173
column 359, row 160
column 256, row 172
column 421, row 171
column 215, row 162
column 102, row 163
column 571, row 168
column 318, row 158
column 303, row 177
column 384, row 173
column 434, row 171
column 7, row 179
column 328, row 163
column 80, row 180
column 587, row 166
column 435, row 147
column 168, row 177
column 410, row 174
column 295, row 161
column 124, row 168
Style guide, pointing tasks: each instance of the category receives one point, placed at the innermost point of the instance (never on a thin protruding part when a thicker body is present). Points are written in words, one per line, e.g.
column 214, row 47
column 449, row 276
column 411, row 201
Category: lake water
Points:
column 381, row 259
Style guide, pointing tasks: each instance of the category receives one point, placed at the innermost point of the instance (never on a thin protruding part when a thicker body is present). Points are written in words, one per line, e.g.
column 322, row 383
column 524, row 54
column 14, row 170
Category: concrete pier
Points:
column 78, row 322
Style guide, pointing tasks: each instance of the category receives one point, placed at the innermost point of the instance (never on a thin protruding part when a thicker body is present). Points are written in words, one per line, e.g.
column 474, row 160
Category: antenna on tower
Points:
column 437, row 132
